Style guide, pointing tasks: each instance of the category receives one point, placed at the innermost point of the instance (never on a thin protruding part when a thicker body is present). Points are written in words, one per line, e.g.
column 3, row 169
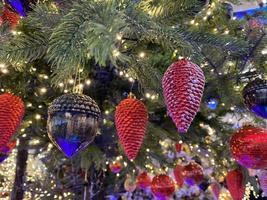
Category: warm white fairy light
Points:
column 142, row 54
column 71, row 81
column 38, row 116
column 43, row 90
column 88, row 82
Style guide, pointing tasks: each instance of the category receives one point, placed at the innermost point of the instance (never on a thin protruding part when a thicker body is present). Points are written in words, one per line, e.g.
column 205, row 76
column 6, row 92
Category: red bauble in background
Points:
column 177, row 171
column 131, row 119
column 9, row 17
column 183, row 85
column 234, row 181
column 115, row 167
column 249, row 147
column 11, row 113
column 178, row 147
column 215, row 188
column 143, row 180
column 191, row 174
column 162, row 186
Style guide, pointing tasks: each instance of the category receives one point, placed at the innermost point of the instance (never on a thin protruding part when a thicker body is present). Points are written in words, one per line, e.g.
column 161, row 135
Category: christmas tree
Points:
column 132, row 99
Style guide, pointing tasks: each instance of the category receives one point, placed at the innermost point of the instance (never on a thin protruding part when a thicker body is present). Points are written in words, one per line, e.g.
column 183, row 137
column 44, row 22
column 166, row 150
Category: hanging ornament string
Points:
column 85, row 185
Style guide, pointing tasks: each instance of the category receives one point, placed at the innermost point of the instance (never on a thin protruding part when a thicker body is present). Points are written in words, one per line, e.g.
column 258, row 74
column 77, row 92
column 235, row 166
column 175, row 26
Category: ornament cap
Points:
column 131, row 96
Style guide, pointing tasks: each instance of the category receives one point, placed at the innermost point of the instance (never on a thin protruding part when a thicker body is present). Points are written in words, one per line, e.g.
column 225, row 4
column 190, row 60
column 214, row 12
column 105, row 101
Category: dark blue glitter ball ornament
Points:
column 18, row 6
column 255, row 97
column 72, row 122
column 212, row 104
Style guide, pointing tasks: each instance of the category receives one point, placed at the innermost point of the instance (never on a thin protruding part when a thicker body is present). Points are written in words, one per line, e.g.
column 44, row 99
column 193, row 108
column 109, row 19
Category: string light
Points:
column 43, row 90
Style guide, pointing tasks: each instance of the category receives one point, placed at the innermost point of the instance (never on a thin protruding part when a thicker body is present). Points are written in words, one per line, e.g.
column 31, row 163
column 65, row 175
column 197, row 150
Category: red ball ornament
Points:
column 131, row 119
column 143, row 181
column 115, row 167
column 162, row 186
column 10, row 17
column 191, row 174
column 234, row 181
column 183, row 85
column 11, row 113
column 249, row 147
column 178, row 175
column 178, row 147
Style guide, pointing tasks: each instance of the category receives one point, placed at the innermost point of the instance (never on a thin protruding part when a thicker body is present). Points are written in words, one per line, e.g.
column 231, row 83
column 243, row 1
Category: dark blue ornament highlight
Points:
column 72, row 122
column 18, row 6
column 212, row 104
column 255, row 97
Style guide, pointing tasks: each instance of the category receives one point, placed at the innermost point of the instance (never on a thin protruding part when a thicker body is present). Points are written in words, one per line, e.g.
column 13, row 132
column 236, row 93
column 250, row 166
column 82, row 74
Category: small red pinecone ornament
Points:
column 11, row 113
column 234, row 181
column 10, row 17
column 183, row 85
column 248, row 147
column 131, row 119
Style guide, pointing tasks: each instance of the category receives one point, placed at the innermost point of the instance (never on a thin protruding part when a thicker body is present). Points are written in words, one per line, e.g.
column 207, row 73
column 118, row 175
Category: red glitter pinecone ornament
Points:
column 248, row 147
column 11, row 113
column 10, row 17
column 234, row 181
column 131, row 119
column 183, row 85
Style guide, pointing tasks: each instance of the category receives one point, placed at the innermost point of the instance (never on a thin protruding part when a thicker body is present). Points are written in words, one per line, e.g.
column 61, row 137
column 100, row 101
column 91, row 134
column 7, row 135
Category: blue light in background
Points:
column 212, row 104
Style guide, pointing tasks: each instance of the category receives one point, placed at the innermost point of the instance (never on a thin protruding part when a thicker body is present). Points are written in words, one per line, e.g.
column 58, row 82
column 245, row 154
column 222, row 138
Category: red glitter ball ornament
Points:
column 131, row 119
column 115, row 167
column 234, row 181
column 11, row 113
column 191, row 174
column 183, row 85
column 143, row 180
column 162, row 186
column 10, row 17
column 249, row 147
column 178, row 175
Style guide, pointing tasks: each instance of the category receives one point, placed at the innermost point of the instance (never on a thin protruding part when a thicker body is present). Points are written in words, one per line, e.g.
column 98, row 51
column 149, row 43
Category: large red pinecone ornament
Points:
column 131, row 119
column 11, row 113
column 183, row 85
column 234, row 181
column 10, row 17
column 249, row 147
column 162, row 186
